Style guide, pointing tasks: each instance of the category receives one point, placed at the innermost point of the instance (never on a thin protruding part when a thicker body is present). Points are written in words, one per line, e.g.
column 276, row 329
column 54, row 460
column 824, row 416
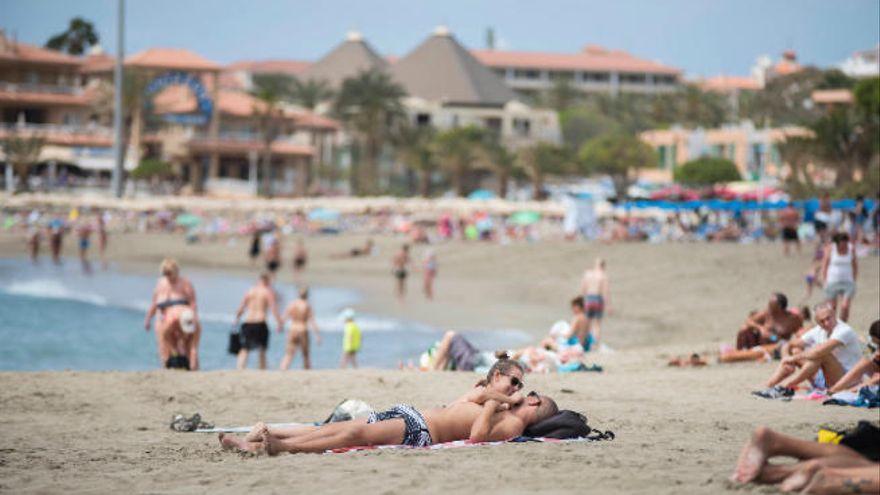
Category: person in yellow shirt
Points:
column 351, row 339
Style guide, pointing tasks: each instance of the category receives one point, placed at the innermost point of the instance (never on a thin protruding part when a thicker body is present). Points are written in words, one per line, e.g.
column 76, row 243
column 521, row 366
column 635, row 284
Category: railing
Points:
column 40, row 88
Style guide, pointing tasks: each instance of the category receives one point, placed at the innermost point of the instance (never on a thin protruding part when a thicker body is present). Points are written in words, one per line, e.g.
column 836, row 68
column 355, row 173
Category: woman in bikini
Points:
column 175, row 300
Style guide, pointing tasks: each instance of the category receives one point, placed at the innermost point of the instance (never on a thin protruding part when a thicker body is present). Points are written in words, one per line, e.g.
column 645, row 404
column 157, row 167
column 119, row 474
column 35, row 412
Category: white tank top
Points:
column 840, row 265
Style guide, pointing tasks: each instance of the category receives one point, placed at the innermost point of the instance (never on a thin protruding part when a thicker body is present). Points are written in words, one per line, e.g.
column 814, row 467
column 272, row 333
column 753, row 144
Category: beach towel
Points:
column 466, row 443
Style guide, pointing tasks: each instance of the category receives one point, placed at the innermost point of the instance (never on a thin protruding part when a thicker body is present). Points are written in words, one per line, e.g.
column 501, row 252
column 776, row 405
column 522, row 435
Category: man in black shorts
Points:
column 258, row 301
column 789, row 220
column 400, row 264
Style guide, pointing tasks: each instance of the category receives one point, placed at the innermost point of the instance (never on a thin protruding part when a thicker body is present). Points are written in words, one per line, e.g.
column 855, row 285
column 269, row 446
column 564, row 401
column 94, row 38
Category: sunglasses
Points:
column 516, row 382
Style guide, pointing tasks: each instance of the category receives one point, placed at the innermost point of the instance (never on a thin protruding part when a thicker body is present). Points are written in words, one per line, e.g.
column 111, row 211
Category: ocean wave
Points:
column 52, row 289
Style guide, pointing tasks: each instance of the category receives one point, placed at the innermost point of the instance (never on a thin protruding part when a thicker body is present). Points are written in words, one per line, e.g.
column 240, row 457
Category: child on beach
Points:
column 351, row 339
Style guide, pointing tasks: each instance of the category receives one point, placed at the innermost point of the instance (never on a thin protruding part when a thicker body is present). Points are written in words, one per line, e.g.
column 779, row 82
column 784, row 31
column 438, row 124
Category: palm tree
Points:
column 269, row 90
column 494, row 156
column 80, row 35
column 538, row 160
column 22, row 151
column 369, row 104
column 310, row 93
column 413, row 145
column 134, row 105
column 458, row 150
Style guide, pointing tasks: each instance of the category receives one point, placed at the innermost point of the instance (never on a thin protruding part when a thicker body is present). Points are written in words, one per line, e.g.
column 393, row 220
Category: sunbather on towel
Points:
column 404, row 425
column 821, row 467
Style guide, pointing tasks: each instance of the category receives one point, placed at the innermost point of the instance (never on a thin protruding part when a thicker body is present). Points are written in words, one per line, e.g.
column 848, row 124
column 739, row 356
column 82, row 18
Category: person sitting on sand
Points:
column 832, row 347
column 258, row 301
column 869, row 367
column 404, row 425
column 766, row 352
column 178, row 330
column 770, row 326
column 302, row 319
column 821, row 467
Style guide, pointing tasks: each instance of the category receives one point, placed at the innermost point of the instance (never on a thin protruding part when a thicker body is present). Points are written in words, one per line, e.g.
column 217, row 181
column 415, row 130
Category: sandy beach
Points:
column 678, row 430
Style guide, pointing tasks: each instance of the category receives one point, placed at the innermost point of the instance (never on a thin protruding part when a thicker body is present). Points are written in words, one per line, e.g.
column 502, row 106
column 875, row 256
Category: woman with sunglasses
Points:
column 503, row 383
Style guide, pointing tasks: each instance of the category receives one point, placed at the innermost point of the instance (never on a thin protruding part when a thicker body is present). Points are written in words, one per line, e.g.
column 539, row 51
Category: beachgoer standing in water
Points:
column 273, row 251
column 789, row 219
column 400, row 263
column 254, row 251
column 34, row 238
column 84, row 232
column 301, row 318
column 300, row 256
column 102, row 238
column 178, row 330
column 258, row 301
column 351, row 340
column 840, row 269
column 56, row 238
column 594, row 287
column 430, row 273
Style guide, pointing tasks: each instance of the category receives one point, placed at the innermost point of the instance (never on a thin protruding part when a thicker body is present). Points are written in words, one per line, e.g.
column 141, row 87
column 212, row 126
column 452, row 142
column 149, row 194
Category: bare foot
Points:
column 231, row 442
column 800, row 478
column 773, row 474
column 268, row 443
column 752, row 458
column 255, row 433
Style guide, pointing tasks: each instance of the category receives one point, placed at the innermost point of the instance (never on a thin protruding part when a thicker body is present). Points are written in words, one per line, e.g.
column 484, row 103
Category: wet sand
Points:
column 678, row 430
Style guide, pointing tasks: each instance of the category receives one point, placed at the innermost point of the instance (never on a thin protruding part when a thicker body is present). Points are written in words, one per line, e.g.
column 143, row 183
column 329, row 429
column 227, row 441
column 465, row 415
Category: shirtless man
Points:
column 273, row 251
column 33, row 240
column 769, row 327
column 789, row 219
column 301, row 318
column 56, row 238
column 404, row 425
column 300, row 256
column 258, row 301
column 400, row 263
column 594, row 287
column 175, row 300
column 580, row 326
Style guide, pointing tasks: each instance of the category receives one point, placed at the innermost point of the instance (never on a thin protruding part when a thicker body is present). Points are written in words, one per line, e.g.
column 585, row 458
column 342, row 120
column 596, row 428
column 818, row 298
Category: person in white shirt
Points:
column 832, row 346
column 840, row 269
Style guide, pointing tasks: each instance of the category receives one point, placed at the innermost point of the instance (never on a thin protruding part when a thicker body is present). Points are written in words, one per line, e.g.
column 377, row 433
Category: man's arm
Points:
column 241, row 306
column 855, row 264
column 314, row 325
column 482, row 394
column 492, row 426
column 152, row 310
column 826, row 259
column 817, row 352
column 606, row 293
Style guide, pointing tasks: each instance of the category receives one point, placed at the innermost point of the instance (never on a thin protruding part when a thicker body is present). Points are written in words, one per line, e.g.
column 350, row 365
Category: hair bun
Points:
column 502, row 355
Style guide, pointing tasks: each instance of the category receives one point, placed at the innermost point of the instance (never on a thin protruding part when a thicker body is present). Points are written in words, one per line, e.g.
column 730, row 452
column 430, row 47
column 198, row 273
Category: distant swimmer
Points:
column 400, row 266
column 302, row 319
column 178, row 330
column 258, row 302
column 594, row 287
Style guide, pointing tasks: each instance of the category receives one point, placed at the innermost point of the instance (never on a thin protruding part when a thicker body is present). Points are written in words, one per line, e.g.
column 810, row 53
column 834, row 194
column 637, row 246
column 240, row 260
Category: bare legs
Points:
column 429, row 285
column 295, row 341
column 317, row 439
column 243, row 358
column 348, row 358
column 789, row 375
column 441, row 359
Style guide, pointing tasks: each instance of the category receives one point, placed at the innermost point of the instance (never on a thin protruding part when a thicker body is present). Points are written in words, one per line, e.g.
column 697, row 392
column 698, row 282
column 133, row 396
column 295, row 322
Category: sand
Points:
column 678, row 430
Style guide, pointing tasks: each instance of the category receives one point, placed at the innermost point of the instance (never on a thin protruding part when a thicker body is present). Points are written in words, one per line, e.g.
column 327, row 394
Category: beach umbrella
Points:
column 524, row 218
column 481, row 194
column 188, row 220
column 323, row 215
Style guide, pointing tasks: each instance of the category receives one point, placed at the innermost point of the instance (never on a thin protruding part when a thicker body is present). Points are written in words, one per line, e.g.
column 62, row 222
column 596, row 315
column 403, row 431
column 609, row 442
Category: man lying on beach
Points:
column 404, row 425
column 821, row 467
column 832, row 347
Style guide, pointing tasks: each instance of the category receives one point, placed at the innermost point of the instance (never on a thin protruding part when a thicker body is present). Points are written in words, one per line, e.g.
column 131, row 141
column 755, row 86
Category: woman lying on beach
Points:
column 494, row 410
column 821, row 467
column 178, row 329
column 770, row 351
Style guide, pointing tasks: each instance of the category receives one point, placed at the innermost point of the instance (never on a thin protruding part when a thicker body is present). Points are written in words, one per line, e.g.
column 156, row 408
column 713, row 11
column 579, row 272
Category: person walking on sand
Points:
column 351, row 339
column 594, row 287
column 56, row 238
column 258, row 301
column 178, row 330
column 302, row 319
column 430, row 269
column 300, row 256
column 840, row 268
column 400, row 264
column 789, row 219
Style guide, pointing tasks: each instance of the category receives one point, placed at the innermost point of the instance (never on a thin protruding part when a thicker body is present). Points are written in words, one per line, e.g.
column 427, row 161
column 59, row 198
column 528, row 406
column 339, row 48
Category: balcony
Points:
column 40, row 88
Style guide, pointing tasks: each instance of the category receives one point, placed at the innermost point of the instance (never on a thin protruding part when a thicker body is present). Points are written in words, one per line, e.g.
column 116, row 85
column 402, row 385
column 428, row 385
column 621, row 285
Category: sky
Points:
column 701, row 37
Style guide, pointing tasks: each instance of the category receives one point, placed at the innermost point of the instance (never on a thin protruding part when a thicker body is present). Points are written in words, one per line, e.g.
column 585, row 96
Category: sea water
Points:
column 63, row 317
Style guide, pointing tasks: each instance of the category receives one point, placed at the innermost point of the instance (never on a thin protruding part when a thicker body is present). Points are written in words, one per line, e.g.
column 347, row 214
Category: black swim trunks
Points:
column 299, row 262
column 789, row 234
column 272, row 266
column 400, row 273
column 416, row 432
column 254, row 335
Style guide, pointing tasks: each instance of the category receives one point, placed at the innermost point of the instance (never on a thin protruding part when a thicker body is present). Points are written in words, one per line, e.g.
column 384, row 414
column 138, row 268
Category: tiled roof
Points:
column 590, row 59
column 270, row 66
column 25, row 53
column 43, row 98
column 728, row 84
column 171, row 58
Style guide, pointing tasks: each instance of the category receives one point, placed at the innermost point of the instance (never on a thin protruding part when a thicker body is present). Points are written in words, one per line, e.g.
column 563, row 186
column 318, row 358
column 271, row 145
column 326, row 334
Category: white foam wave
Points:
column 52, row 289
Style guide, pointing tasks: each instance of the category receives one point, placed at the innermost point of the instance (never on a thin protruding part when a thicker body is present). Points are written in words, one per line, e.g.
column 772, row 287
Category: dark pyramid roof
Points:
column 351, row 57
column 441, row 69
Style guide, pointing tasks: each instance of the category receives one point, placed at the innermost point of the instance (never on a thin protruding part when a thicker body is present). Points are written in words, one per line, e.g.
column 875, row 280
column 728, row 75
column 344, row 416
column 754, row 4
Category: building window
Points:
column 493, row 124
column 423, row 119
column 633, row 78
column 522, row 127
column 664, row 79
column 526, row 74
column 596, row 77
column 562, row 75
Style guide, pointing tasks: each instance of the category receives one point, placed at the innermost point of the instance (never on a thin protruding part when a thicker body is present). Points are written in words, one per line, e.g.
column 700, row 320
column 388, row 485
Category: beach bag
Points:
column 177, row 363
column 234, row 340
column 566, row 424
column 864, row 439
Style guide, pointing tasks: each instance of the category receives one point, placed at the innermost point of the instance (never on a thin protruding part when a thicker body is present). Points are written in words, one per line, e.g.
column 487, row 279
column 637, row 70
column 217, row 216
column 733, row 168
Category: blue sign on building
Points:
column 204, row 104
